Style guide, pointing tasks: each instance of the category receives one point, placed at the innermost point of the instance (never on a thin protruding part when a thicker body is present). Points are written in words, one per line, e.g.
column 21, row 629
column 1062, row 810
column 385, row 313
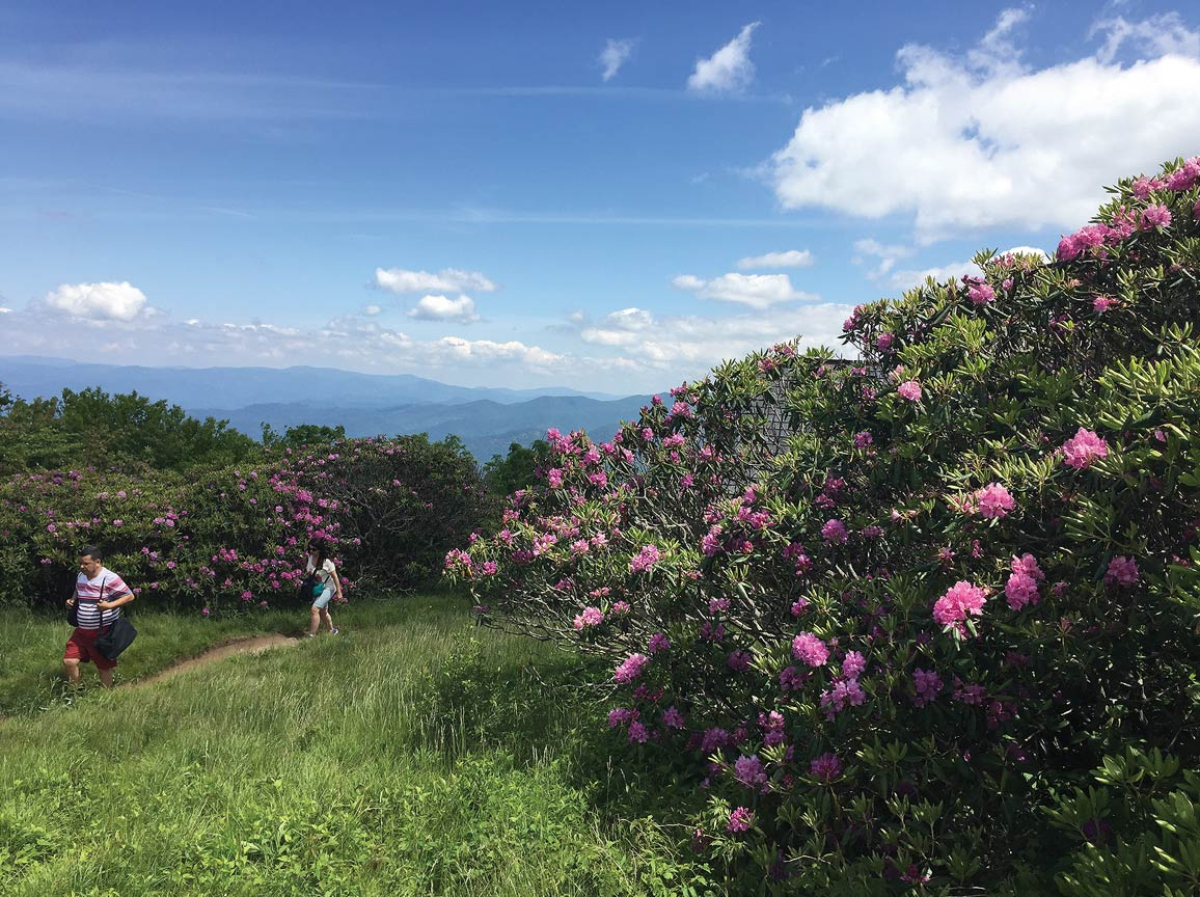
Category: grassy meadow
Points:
column 411, row 754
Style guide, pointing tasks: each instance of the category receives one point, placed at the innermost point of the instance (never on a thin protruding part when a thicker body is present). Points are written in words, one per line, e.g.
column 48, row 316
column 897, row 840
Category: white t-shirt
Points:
column 324, row 575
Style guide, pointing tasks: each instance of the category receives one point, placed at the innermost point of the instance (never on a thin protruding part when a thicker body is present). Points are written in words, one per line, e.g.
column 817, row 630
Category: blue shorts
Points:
column 322, row 601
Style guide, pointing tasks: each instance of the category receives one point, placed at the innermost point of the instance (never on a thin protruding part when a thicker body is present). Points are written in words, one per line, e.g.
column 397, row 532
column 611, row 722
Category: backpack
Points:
column 311, row 589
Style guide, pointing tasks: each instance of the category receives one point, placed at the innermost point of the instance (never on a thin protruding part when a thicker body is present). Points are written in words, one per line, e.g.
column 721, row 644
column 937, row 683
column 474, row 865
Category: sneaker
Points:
column 334, row 631
column 309, row 635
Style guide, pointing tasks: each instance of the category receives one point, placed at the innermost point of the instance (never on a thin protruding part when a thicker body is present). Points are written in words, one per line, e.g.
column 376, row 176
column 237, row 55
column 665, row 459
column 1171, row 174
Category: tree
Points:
column 518, row 469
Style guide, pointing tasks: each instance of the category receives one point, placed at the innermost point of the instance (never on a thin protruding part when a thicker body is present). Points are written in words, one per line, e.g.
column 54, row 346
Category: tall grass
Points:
column 411, row 755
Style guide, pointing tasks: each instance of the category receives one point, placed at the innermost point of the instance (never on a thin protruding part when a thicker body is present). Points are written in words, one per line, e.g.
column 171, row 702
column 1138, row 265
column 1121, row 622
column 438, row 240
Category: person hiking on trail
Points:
column 320, row 569
column 99, row 594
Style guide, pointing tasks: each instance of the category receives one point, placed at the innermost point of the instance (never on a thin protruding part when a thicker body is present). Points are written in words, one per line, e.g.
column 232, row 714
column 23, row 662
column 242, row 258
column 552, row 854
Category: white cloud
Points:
column 372, row 310
column 448, row 280
column 793, row 258
column 888, row 255
column 620, row 328
column 759, row 291
column 987, row 140
column 614, row 55
column 98, row 301
column 728, row 69
column 484, row 351
column 690, row 345
column 1027, row 250
column 903, row 280
column 5, row 311
column 1156, row 36
column 441, row 308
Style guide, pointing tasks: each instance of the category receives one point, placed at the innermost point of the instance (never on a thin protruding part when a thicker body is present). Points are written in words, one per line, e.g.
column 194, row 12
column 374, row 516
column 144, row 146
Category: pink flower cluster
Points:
column 810, row 649
column 591, row 616
column 835, row 532
column 1022, row 586
column 1122, row 571
column 826, row 767
column 1083, row 448
column 993, row 502
column 910, row 390
column 961, row 601
column 631, row 668
column 646, row 558
column 740, row 820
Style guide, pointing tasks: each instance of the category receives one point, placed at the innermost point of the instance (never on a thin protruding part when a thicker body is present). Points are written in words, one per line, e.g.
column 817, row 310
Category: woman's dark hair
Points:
column 321, row 547
column 91, row 551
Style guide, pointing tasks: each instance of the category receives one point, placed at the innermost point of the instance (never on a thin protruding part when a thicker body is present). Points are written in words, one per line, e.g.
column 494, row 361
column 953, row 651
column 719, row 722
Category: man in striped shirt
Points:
column 100, row 594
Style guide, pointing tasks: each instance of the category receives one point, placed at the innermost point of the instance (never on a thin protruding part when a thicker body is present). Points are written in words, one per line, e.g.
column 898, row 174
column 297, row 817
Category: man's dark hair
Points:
column 92, row 551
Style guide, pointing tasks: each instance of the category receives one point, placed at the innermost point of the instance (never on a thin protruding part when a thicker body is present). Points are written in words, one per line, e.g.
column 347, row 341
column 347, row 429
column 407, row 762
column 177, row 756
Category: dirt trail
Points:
column 254, row 644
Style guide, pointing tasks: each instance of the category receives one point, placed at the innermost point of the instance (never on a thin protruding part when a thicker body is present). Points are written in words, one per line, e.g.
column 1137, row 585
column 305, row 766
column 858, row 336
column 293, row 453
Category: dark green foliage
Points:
column 93, row 428
column 518, row 469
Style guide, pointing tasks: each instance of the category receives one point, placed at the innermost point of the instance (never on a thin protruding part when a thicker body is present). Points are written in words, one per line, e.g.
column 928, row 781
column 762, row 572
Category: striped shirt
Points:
column 88, row 595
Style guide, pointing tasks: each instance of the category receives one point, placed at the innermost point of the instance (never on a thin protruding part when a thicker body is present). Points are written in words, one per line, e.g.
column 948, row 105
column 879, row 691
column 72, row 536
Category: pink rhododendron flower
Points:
column 910, row 390
column 645, row 559
column 672, row 718
column 826, row 767
column 853, row 664
column 1101, row 304
column 591, row 616
column 981, row 294
column 1122, row 571
column 810, row 649
column 638, row 733
column 658, row 642
column 863, row 439
column 994, row 502
column 959, row 602
column 1083, row 448
column 740, row 820
column 884, row 341
column 631, row 668
column 845, row 692
column 1020, row 590
column 750, row 771
column 1156, row 216
column 835, row 532
column 928, row 685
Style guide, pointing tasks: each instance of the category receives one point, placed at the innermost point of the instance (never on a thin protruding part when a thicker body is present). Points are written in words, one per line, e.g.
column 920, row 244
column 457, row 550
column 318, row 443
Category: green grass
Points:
column 31, row 677
column 412, row 755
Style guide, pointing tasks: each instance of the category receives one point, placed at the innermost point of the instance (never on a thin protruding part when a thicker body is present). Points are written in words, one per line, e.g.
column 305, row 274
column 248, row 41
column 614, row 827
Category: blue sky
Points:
column 608, row 196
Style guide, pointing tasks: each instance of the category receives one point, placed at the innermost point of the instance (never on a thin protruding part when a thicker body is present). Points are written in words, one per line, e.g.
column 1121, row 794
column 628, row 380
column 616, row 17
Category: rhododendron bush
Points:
column 891, row 612
column 235, row 537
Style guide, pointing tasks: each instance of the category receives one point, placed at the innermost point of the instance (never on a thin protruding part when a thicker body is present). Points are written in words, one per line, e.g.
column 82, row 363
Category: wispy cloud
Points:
column 729, row 69
column 451, row 280
column 614, row 55
column 792, row 258
column 760, row 291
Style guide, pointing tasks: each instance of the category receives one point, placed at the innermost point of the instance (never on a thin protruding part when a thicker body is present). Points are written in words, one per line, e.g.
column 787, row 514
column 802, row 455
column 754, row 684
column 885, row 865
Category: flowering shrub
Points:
column 236, row 536
column 962, row 577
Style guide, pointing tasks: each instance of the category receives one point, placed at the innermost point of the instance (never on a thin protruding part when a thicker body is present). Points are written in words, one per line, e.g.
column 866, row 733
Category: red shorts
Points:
column 81, row 646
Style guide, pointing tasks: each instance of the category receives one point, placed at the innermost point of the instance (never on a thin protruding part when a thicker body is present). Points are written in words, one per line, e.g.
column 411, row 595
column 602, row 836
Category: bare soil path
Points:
column 254, row 644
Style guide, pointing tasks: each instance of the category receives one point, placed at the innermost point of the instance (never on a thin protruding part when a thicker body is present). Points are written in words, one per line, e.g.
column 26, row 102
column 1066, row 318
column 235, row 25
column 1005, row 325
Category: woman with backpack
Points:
column 323, row 584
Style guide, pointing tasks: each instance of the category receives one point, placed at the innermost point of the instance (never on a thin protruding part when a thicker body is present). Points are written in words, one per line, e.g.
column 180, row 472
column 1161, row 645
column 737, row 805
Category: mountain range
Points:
column 486, row 419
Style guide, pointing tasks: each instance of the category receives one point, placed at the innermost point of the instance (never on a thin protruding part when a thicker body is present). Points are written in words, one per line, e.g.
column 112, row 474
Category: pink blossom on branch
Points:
column 810, row 649
column 994, row 502
column 646, row 558
column 1083, row 448
column 910, row 390
column 1122, row 571
column 960, row 601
